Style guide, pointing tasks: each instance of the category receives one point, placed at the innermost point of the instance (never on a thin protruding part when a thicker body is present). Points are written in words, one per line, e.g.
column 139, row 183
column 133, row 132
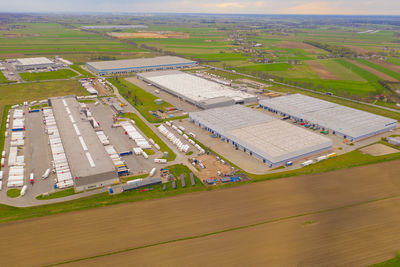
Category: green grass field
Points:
column 84, row 73
column 150, row 134
column 50, row 39
column 340, row 71
column 51, row 75
column 18, row 93
column 144, row 100
column 13, row 192
column 3, row 78
column 268, row 67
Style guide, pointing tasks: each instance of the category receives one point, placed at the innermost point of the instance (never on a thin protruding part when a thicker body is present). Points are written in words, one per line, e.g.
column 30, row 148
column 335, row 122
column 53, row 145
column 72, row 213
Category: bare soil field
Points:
column 127, row 35
column 304, row 220
column 358, row 49
column 355, row 236
column 378, row 150
column 321, row 70
column 212, row 166
column 387, row 65
column 373, row 71
column 304, row 46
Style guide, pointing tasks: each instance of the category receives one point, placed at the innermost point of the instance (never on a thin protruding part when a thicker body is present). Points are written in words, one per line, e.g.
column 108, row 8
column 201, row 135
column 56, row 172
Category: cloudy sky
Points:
column 367, row 7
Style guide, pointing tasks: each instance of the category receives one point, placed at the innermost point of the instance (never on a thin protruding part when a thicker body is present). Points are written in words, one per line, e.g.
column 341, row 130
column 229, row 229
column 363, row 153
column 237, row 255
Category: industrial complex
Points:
column 249, row 130
column 273, row 141
column 198, row 91
column 141, row 64
column 352, row 124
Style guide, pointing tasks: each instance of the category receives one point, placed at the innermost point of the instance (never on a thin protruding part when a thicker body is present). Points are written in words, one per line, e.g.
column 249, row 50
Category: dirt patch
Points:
column 379, row 150
column 379, row 74
column 321, row 70
column 127, row 35
column 387, row 65
column 357, row 49
column 212, row 167
column 304, row 46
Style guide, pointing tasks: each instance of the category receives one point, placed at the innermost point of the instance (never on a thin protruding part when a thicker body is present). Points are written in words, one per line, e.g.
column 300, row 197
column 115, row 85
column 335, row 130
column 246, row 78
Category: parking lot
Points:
column 37, row 156
column 137, row 164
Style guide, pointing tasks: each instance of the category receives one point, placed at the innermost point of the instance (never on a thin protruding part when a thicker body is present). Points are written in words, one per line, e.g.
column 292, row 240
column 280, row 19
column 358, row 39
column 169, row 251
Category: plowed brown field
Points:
column 373, row 71
column 304, row 46
column 336, row 218
column 320, row 69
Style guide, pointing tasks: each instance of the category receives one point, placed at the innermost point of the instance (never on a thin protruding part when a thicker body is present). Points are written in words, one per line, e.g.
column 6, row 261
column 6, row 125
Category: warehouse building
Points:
column 198, row 91
column 89, row 163
column 273, row 141
column 140, row 64
column 36, row 63
column 352, row 124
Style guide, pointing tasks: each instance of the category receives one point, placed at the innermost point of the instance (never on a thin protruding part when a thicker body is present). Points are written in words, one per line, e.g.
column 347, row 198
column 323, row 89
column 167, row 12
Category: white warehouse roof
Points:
column 196, row 90
column 274, row 140
column 124, row 64
column 34, row 61
column 352, row 123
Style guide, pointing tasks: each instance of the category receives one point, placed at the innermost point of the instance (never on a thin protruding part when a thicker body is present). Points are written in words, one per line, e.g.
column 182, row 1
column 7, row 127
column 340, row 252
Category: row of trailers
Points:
column 60, row 162
column 16, row 161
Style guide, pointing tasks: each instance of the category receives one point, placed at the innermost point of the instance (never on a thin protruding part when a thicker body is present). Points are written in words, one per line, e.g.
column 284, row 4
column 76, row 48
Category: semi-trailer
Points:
column 46, row 174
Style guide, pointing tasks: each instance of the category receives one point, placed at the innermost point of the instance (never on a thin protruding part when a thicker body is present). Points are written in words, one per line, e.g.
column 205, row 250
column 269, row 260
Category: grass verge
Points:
column 140, row 99
column 129, row 178
column 3, row 127
column 57, row 194
column 9, row 213
column 395, row 262
column 15, row 192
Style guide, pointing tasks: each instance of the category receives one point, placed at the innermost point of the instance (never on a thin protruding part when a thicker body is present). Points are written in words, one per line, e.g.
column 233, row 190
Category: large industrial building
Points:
column 198, row 91
column 36, row 63
column 140, row 64
column 273, row 141
column 352, row 124
column 89, row 162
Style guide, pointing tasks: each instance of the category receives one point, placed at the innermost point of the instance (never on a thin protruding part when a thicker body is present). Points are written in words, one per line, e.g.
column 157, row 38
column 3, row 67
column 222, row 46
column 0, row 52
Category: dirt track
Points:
column 320, row 69
column 373, row 71
column 365, row 233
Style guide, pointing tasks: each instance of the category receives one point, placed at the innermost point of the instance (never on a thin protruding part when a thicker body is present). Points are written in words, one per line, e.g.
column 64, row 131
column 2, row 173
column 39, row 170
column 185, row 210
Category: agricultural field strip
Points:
column 352, row 236
column 145, row 223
